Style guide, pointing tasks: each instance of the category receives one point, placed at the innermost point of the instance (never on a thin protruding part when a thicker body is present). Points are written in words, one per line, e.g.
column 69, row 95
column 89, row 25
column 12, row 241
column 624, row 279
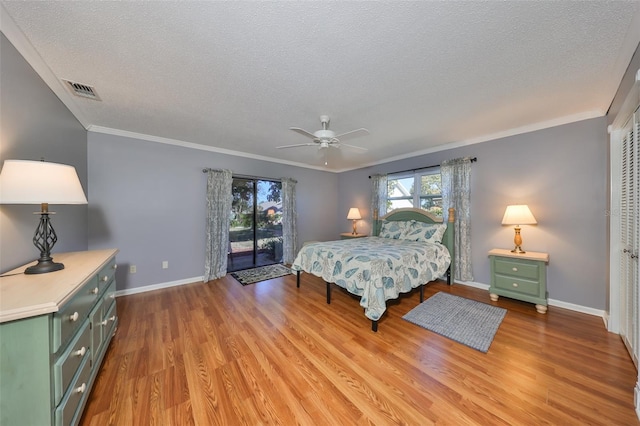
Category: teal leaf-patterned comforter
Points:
column 376, row 269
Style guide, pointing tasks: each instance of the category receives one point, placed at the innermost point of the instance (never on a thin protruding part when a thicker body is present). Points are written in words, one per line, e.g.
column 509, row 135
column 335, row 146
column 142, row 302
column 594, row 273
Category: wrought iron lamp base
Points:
column 44, row 266
column 44, row 239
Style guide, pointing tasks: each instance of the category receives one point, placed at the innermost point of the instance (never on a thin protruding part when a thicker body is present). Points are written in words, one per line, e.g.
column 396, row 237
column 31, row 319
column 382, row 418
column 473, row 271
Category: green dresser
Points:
column 54, row 332
column 519, row 276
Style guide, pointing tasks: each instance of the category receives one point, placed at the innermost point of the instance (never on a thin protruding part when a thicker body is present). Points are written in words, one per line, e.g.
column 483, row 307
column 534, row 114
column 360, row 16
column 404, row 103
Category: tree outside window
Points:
column 422, row 190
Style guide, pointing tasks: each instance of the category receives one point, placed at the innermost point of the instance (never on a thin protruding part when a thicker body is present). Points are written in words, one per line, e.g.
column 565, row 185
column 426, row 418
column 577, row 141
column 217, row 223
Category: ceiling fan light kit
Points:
column 326, row 138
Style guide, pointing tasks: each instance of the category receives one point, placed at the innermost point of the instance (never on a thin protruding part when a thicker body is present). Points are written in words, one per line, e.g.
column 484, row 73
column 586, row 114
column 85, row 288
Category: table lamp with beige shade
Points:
column 518, row 215
column 41, row 183
column 354, row 214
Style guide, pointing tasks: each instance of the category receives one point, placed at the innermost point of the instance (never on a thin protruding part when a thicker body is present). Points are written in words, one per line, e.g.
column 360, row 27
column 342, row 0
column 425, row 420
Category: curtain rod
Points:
column 248, row 177
column 473, row 160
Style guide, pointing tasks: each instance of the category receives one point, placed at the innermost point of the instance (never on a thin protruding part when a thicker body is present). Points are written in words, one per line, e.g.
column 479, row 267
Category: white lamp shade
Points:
column 354, row 214
column 37, row 182
column 518, row 215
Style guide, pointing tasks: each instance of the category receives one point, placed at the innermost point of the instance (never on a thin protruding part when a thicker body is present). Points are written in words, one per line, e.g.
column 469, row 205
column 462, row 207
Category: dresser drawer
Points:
column 517, row 285
column 110, row 294
column 107, row 274
column 67, row 412
column 95, row 326
column 517, row 268
column 110, row 321
column 67, row 365
column 72, row 315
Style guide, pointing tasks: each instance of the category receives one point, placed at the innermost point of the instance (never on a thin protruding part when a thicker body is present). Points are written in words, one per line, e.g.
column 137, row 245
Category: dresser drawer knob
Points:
column 94, row 291
column 105, row 278
column 514, row 269
column 80, row 352
column 515, row 284
column 82, row 388
column 74, row 317
column 105, row 322
column 115, row 266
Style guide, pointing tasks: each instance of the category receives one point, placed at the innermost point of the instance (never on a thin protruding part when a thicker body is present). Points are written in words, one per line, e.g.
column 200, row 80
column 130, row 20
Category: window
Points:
column 422, row 190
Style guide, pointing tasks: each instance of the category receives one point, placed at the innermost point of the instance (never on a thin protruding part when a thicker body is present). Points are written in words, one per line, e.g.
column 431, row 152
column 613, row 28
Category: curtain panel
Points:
column 456, row 193
column 219, row 200
column 289, row 225
column 378, row 198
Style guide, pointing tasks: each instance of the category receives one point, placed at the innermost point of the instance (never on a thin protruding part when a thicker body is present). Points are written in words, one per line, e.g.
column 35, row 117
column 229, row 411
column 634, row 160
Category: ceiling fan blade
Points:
column 353, row 134
column 357, row 148
column 303, row 132
column 296, row 145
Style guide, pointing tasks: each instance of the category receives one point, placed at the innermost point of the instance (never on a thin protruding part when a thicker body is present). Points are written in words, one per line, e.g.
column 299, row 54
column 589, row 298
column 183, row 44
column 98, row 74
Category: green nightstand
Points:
column 519, row 276
column 349, row 235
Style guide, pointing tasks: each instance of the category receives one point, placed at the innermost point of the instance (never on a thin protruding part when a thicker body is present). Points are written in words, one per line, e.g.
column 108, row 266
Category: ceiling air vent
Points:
column 83, row 90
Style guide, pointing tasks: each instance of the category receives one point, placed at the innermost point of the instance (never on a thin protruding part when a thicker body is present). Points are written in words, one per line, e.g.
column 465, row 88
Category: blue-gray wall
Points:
column 35, row 124
column 561, row 173
column 148, row 200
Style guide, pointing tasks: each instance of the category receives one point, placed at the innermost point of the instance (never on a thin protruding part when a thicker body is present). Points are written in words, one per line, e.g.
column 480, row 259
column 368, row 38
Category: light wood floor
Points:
column 269, row 353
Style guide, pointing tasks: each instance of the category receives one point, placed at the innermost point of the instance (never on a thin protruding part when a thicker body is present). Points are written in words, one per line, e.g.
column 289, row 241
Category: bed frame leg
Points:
column 421, row 293
column 328, row 293
column 374, row 326
column 298, row 279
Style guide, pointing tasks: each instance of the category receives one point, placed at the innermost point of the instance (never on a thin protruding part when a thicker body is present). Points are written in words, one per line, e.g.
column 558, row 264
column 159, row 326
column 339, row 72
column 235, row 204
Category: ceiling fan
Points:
column 326, row 138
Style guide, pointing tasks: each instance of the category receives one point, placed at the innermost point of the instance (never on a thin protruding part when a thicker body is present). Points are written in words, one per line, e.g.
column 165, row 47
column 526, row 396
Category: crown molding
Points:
column 490, row 137
column 191, row 145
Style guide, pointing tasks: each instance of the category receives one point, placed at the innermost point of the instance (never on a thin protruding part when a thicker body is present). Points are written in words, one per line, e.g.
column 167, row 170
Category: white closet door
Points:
column 630, row 236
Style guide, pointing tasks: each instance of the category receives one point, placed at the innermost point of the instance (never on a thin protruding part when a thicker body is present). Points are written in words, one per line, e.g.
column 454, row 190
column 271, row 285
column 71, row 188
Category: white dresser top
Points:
column 24, row 296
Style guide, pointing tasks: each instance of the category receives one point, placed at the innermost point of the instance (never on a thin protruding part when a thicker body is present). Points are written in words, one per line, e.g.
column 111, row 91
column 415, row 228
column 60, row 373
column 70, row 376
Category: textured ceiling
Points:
column 234, row 76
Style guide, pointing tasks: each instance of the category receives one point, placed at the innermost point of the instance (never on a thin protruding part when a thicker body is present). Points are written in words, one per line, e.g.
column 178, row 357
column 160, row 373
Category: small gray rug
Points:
column 261, row 273
column 466, row 321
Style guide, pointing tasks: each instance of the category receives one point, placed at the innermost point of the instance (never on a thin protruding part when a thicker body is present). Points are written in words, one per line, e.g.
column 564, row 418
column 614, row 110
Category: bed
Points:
column 409, row 249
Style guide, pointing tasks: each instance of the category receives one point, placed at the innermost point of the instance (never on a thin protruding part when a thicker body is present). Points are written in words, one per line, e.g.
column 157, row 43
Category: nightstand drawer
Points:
column 517, row 285
column 517, row 268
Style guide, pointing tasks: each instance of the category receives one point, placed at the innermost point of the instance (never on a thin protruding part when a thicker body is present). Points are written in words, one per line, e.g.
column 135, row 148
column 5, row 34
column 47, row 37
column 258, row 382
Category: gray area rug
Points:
column 466, row 321
column 261, row 273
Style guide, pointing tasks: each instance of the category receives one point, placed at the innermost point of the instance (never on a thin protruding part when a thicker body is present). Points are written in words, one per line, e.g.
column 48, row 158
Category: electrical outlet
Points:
column 133, row 269
column 165, row 264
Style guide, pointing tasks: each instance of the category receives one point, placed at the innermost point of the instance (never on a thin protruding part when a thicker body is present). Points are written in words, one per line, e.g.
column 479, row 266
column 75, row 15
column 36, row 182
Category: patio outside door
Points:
column 255, row 231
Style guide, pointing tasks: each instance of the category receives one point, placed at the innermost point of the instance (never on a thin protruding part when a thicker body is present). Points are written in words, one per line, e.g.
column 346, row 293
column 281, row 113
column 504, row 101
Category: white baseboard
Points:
column 159, row 286
column 474, row 284
column 605, row 318
column 552, row 302
column 636, row 398
column 578, row 308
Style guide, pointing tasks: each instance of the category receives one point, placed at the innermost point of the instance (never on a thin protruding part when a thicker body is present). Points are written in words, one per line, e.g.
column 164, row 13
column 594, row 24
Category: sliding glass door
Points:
column 255, row 231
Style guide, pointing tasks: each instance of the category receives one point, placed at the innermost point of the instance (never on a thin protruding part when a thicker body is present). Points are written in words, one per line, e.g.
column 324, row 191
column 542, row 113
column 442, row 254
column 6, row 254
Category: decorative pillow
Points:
column 427, row 232
column 393, row 229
